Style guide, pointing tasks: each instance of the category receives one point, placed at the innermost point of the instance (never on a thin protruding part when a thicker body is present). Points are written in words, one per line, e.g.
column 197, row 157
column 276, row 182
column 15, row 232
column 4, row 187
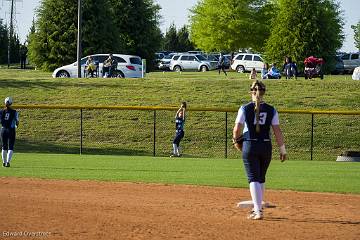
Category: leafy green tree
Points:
column 137, row 22
column 178, row 41
column 98, row 32
column 171, row 41
column 356, row 29
column 230, row 25
column 15, row 49
column 54, row 42
column 305, row 28
column 184, row 40
column 31, row 31
column 117, row 26
column 4, row 41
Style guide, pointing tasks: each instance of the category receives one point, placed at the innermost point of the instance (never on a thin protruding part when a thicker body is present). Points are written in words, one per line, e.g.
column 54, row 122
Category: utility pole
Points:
column 11, row 30
column 79, row 39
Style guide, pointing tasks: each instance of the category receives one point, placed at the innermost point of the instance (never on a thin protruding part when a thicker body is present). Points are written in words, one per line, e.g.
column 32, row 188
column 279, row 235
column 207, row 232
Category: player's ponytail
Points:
column 257, row 111
column 183, row 104
column 259, row 87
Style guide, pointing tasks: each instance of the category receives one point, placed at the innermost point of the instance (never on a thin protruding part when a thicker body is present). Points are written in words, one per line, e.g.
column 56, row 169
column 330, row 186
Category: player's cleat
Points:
column 4, row 164
column 253, row 210
column 7, row 164
column 175, row 155
column 256, row 216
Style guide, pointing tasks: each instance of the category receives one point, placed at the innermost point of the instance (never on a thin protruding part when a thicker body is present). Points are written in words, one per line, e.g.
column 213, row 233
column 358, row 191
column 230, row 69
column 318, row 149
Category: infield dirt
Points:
column 62, row 209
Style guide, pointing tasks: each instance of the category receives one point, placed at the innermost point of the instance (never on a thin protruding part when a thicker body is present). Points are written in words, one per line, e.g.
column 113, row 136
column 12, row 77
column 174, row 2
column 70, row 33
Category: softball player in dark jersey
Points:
column 254, row 121
column 179, row 125
column 9, row 121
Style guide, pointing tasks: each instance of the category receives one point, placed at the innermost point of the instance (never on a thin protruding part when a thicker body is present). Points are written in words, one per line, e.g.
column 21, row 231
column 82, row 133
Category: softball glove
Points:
column 238, row 142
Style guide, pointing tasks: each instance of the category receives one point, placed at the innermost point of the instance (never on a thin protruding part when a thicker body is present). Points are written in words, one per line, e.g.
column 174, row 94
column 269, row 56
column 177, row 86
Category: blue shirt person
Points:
column 273, row 72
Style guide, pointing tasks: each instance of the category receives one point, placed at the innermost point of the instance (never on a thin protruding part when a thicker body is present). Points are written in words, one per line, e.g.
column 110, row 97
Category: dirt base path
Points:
column 60, row 209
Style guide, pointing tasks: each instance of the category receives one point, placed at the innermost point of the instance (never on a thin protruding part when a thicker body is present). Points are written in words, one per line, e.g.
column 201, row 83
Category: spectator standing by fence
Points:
column 9, row 122
column 254, row 121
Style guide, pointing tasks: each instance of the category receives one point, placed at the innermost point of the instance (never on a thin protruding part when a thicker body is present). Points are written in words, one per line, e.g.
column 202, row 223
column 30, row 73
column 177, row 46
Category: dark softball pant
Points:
column 8, row 138
column 179, row 135
column 256, row 158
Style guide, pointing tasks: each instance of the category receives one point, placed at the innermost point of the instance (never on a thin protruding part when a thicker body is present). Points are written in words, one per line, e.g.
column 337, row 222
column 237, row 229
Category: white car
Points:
column 246, row 62
column 128, row 66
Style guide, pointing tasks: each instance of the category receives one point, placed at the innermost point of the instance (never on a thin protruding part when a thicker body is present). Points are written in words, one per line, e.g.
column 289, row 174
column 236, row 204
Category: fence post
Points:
column 81, row 130
column 226, row 133
column 312, row 137
column 154, row 149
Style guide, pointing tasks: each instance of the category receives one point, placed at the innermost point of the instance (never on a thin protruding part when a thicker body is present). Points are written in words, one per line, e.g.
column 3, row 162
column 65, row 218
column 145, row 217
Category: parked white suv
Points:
column 246, row 62
column 188, row 61
column 128, row 66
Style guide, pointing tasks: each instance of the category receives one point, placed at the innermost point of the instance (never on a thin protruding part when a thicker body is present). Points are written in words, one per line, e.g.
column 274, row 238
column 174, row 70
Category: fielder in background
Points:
column 254, row 121
column 9, row 122
column 179, row 125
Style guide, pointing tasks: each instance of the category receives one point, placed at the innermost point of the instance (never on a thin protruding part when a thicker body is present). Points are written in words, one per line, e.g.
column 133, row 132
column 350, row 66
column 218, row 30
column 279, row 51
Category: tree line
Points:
column 4, row 43
column 275, row 28
column 108, row 26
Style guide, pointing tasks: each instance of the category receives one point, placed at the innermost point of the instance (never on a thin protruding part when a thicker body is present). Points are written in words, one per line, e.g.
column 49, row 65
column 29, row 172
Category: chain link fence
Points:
column 150, row 131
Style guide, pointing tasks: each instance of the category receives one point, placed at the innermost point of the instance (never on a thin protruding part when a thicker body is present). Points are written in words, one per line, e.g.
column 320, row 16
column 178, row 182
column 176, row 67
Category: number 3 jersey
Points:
column 179, row 124
column 9, row 118
column 268, row 116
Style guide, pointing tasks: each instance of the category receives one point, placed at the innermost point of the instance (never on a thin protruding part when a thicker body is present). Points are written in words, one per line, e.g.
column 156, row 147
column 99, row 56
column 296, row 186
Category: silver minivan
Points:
column 196, row 62
column 351, row 61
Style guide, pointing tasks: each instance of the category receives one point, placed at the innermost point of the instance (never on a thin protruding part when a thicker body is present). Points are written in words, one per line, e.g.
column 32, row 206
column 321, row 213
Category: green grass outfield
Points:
column 312, row 176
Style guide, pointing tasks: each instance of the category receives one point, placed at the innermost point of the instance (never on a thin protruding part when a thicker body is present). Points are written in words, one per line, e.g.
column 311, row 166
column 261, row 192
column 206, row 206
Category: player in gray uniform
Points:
column 9, row 122
column 254, row 121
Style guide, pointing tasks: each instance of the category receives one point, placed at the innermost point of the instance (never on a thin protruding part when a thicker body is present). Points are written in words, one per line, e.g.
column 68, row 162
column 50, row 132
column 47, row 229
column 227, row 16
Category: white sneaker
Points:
column 256, row 216
column 175, row 155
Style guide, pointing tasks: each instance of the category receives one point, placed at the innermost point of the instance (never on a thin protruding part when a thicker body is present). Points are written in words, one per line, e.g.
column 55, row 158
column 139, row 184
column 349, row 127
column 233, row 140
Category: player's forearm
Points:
column 278, row 135
column 177, row 112
column 237, row 130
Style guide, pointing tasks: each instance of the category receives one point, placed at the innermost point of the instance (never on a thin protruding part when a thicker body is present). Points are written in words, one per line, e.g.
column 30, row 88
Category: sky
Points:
column 173, row 11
